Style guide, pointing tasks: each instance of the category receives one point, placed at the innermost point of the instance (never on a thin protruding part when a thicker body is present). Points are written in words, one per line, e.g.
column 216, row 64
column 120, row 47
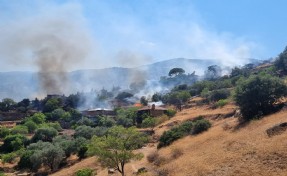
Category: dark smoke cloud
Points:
column 53, row 43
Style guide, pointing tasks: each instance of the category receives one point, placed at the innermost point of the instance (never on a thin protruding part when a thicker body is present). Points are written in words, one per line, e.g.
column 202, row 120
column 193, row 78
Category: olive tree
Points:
column 47, row 154
column 115, row 149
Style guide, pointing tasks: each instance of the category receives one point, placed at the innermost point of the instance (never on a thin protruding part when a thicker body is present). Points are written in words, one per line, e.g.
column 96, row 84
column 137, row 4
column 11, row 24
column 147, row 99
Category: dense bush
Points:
column 175, row 133
column 106, row 121
column 88, row 132
column 4, row 132
column 55, row 125
column 85, row 172
column 66, row 143
column 256, row 96
column 81, row 147
column 218, row 95
column 59, row 114
column 200, row 125
column 50, row 156
column 45, row 134
column 196, row 126
column 170, row 112
column 25, row 162
column 176, row 98
column 126, row 116
column 31, row 125
column 85, row 121
column 148, row 122
column 125, row 122
column 19, row 129
column 9, row 157
column 221, row 103
column 14, row 143
column 38, row 118
column 46, row 154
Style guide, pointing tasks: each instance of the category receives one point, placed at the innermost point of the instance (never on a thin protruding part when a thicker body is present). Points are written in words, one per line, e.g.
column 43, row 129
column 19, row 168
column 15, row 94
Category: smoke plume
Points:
column 52, row 42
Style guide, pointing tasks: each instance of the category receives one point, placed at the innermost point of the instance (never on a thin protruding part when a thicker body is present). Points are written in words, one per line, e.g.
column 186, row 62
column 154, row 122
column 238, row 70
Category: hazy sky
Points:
column 103, row 33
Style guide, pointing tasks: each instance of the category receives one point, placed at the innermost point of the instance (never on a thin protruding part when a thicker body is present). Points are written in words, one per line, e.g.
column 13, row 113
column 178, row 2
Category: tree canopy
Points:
column 213, row 72
column 115, row 149
column 176, row 71
column 257, row 94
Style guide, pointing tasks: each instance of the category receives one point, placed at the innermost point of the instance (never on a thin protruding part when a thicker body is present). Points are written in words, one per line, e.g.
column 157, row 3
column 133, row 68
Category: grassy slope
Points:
column 223, row 150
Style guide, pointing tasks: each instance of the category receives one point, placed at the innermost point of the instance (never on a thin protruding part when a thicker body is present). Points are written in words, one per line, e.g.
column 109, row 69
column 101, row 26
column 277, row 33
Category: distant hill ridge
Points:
column 19, row 85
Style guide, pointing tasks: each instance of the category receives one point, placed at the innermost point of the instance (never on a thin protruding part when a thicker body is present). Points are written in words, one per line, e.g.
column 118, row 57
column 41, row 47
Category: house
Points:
column 152, row 110
column 99, row 112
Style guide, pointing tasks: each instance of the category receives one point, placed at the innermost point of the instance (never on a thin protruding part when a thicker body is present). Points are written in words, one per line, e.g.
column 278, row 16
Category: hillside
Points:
column 225, row 149
column 85, row 80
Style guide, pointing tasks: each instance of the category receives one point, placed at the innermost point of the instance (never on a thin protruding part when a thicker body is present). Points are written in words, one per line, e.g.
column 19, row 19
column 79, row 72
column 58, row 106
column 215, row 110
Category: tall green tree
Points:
column 115, row 149
column 176, row 71
column 52, row 104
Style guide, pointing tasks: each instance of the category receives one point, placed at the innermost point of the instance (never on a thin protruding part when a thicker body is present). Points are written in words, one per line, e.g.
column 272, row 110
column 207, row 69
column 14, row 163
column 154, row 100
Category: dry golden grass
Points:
column 224, row 150
column 85, row 163
column 243, row 151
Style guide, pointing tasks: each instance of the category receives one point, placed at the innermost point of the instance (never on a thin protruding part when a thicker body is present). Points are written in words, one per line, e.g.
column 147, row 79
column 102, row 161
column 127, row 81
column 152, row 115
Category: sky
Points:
column 92, row 34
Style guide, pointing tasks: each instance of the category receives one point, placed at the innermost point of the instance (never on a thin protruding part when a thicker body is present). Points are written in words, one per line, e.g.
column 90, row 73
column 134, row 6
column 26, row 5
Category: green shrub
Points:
column 195, row 126
column 256, row 96
column 4, row 132
column 125, row 122
column 25, row 161
column 19, row 129
column 55, row 125
column 221, row 103
column 217, row 95
column 45, row 134
column 175, row 133
column 88, row 132
column 38, row 118
column 200, row 125
column 81, row 146
column 106, row 121
column 85, row 172
column 66, row 143
column 148, row 122
column 31, row 125
column 170, row 112
column 9, row 157
column 13, row 143
column 2, row 173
